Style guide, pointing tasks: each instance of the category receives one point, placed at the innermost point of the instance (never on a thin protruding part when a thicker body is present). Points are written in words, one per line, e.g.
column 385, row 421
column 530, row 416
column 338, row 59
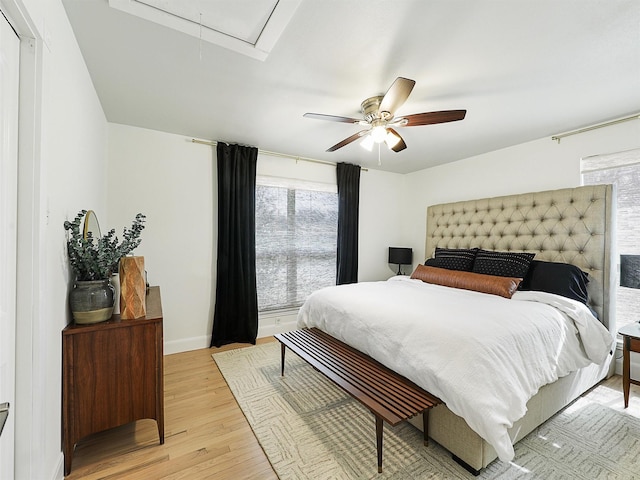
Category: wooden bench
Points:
column 389, row 396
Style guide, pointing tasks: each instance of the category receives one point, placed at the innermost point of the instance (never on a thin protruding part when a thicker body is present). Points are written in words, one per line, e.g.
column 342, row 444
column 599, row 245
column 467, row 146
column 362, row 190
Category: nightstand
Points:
column 631, row 343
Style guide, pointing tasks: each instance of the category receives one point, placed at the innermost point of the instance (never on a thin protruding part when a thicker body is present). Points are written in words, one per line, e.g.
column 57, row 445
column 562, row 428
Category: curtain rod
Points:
column 276, row 154
column 595, row 127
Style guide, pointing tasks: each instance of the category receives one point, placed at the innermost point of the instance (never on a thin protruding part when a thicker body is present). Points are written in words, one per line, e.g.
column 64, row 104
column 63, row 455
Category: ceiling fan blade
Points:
column 332, row 118
column 347, row 140
column 431, row 118
column 396, row 95
column 399, row 145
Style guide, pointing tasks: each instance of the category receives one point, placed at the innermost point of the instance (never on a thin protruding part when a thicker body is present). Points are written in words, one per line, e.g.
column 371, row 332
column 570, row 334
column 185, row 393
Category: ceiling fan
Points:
column 379, row 117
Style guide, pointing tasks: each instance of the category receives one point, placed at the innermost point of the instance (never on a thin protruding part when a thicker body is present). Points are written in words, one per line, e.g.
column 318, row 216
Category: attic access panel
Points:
column 249, row 27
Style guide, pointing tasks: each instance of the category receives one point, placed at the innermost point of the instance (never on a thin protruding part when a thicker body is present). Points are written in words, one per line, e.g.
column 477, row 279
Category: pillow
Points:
column 502, row 264
column 502, row 286
column 454, row 258
column 432, row 262
column 559, row 278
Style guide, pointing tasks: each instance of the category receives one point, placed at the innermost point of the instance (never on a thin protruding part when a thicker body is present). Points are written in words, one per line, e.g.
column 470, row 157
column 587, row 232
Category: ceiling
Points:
column 522, row 69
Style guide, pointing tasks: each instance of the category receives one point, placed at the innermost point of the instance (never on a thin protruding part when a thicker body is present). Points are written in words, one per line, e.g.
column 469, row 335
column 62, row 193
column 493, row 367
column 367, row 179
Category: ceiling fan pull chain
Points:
column 379, row 162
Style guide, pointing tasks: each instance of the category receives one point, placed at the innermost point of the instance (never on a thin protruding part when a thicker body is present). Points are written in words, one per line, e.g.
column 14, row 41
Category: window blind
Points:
column 296, row 232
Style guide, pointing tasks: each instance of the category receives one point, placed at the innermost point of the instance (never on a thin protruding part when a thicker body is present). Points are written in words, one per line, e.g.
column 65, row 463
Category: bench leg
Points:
column 379, row 442
column 425, row 427
column 282, row 350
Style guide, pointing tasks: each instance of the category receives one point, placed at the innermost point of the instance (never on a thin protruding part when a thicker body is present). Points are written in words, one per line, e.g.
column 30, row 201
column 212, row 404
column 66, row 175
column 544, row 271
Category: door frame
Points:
column 9, row 94
column 30, row 251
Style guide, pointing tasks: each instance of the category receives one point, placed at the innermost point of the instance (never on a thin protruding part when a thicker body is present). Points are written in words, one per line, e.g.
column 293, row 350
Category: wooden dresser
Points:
column 112, row 374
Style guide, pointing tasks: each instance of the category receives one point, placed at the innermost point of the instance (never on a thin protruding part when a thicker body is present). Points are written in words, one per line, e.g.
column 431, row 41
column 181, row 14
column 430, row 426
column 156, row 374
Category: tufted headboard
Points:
column 572, row 225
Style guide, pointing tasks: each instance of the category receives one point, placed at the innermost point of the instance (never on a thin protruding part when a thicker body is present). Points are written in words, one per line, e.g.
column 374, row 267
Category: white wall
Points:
column 173, row 181
column 169, row 179
column 62, row 163
column 534, row 166
column 381, row 201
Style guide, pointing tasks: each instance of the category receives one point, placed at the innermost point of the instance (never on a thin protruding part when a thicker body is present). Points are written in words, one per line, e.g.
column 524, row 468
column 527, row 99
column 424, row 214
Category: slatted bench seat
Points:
column 388, row 395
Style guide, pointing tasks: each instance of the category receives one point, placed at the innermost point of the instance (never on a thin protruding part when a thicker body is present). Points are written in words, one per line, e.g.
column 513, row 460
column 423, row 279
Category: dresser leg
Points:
column 160, row 431
column 68, row 452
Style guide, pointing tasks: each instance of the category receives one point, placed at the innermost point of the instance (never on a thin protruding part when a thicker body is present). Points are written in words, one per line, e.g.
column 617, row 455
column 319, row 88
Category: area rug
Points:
column 311, row 429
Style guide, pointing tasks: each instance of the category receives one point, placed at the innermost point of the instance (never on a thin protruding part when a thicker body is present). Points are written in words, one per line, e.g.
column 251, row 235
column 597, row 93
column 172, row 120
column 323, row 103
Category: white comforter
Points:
column 485, row 356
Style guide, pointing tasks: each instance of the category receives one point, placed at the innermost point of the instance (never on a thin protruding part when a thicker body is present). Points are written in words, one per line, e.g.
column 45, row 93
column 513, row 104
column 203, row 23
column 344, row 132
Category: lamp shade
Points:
column 629, row 271
column 400, row 255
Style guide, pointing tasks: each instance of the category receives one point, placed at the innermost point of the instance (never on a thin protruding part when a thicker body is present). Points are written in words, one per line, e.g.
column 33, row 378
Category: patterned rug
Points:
column 311, row 429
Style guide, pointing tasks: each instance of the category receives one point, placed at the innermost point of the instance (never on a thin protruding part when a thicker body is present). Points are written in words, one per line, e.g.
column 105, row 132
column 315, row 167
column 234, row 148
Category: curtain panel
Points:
column 348, row 181
column 236, row 308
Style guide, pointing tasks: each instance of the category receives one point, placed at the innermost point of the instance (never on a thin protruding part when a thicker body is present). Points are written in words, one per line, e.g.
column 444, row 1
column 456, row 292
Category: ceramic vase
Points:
column 92, row 301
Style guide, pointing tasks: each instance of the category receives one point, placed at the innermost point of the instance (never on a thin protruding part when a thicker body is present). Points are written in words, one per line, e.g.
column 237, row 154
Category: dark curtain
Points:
column 348, row 179
column 236, row 312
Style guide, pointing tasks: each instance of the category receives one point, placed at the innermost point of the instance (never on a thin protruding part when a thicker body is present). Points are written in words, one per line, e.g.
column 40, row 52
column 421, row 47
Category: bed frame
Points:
column 574, row 225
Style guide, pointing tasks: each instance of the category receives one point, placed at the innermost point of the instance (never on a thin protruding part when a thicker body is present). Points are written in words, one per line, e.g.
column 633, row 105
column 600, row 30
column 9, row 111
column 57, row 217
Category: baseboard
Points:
column 186, row 344
column 196, row 343
column 270, row 330
column 58, row 473
column 618, row 358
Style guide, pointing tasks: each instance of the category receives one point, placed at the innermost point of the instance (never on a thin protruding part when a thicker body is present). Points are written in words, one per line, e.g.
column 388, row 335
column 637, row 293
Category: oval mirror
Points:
column 91, row 226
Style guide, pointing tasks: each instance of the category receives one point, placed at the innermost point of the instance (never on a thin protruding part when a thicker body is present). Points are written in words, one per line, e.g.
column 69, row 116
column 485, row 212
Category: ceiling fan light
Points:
column 379, row 134
column 367, row 143
column 391, row 139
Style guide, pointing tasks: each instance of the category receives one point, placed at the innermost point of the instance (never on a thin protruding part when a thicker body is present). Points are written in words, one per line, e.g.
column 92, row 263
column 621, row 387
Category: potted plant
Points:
column 94, row 261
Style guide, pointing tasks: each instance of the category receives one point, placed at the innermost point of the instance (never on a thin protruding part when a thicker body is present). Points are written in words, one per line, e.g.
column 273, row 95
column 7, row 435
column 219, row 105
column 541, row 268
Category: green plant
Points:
column 97, row 259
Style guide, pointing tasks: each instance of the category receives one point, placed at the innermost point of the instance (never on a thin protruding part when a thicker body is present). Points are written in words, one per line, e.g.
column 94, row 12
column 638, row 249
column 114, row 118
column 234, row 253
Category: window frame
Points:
column 610, row 162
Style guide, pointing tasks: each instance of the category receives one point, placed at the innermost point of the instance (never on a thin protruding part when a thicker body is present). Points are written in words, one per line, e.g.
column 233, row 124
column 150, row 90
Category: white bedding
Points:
column 485, row 356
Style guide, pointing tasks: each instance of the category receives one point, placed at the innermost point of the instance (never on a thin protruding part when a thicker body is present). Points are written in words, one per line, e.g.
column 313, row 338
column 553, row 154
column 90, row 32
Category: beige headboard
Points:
column 572, row 225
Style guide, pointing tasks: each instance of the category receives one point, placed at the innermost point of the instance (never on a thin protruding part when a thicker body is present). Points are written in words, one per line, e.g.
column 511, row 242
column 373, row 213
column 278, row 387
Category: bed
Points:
column 569, row 226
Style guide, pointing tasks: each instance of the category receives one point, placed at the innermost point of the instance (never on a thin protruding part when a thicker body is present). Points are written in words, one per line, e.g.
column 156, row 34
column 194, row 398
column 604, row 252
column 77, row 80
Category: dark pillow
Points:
column 502, row 264
column 502, row 286
column 433, row 262
column 559, row 278
column 454, row 258
column 446, row 263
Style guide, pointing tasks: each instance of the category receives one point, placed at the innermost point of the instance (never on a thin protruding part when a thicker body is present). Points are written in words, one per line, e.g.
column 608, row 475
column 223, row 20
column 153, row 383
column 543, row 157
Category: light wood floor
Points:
column 206, row 433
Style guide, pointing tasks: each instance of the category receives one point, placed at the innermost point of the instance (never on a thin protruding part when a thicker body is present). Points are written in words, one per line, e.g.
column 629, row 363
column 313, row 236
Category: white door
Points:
column 9, row 68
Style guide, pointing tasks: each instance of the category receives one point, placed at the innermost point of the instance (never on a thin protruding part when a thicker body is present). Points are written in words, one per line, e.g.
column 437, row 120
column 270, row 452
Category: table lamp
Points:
column 401, row 256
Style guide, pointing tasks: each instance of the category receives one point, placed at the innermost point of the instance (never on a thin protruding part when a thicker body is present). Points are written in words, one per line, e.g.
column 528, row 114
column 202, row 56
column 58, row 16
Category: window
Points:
column 296, row 240
column 623, row 170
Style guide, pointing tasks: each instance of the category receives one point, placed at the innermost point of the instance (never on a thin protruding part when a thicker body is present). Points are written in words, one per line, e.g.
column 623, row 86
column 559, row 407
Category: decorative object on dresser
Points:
column 94, row 258
column 133, row 288
column 92, row 301
column 400, row 256
column 112, row 374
